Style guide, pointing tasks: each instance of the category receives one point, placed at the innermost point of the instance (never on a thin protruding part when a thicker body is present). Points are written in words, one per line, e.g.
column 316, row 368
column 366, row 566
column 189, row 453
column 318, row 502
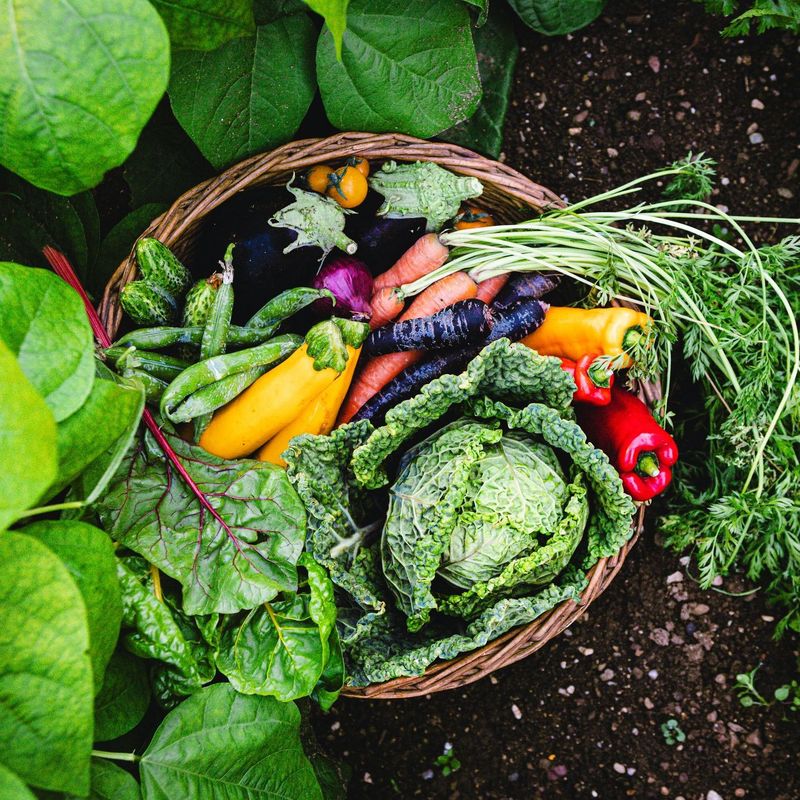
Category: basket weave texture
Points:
column 510, row 197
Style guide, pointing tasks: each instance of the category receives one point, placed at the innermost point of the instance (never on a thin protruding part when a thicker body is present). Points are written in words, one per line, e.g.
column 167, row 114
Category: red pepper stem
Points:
column 599, row 374
column 648, row 465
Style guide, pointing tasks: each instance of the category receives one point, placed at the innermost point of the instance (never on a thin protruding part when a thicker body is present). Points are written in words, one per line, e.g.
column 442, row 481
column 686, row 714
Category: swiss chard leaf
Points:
column 46, row 688
column 557, row 17
column 281, row 648
column 88, row 555
column 55, row 133
column 98, row 435
column 249, row 94
column 45, row 326
column 406, row 65
column 236, row 559
column 221, row 741
column 123, row 699
column 31, row 218
column 28, row 460
column 497, row 56
column 205, row 24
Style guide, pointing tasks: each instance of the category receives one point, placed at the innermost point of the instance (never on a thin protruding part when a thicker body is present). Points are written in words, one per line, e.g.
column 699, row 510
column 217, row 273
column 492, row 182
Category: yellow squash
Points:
column 318, row 417
column 574, row 332
column 266, row 407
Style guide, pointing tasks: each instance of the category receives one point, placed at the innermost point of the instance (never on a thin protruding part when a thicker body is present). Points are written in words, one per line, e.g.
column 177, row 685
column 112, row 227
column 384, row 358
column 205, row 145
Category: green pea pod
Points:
column 215, row 333
column 285, row 305
column 159, row 266
column 215, row 369
column 157, row 364
column 159, row 337
column 153, row 387
column 215, row 395
column 147, row 303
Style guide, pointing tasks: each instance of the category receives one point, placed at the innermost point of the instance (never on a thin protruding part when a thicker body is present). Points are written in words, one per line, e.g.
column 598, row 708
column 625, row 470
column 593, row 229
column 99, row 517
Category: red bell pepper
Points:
column 593, row 379
column 639, row 448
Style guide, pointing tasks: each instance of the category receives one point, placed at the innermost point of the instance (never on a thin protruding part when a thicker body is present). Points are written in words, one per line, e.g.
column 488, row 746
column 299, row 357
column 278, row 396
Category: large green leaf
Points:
column 45, row 325
column 219, row 743
column 78, row 81
column 31, row 218
column 45, row 672
column 497, row 56
column 335, row 14
column 557, row 17
column 222, row 567
column 12, row 787
column 99, row 433
column 249, row 94
column 110, row 782
column 123, row 698
column 407, row 65
column 27, row 441
column 205, row 24
column 88, row 554
column 165, row 163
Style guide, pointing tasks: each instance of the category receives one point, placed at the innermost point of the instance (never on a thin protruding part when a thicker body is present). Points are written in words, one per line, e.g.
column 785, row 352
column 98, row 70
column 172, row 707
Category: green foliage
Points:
column 88, row 555
column 205, row 24
column 12, row 787
column 335, row 14
column 556, row 17
column 447, row 761
column 45, row 672
column 110, row 782
column 123, row 698
column 55, row 133
column 763, row 15
column 45, row 326
column 247, row 95
column 28, row 460
column 221, row 568
column 497, row 50
column 745, row 688
column 221, row 741
column 672, row 733
column 406, row 66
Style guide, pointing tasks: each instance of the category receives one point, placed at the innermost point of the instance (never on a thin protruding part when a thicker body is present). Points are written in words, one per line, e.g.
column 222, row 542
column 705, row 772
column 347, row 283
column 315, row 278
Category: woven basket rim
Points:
column 512, row 190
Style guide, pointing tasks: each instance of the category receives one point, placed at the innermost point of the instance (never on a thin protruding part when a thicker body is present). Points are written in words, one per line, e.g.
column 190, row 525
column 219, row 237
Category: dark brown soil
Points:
column 582, row 718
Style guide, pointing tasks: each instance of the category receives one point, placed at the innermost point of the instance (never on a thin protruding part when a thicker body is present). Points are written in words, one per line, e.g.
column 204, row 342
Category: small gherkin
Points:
column 422, row 189
column 147, row 303
column 200, row 300
column 160, row 267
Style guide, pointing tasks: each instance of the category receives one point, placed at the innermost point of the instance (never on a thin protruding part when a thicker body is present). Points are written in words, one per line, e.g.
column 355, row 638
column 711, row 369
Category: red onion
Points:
column 350, row 281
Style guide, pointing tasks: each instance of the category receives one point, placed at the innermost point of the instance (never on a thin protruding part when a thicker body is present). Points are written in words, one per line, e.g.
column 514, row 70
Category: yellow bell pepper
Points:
column 574, row 332
column 318, row 417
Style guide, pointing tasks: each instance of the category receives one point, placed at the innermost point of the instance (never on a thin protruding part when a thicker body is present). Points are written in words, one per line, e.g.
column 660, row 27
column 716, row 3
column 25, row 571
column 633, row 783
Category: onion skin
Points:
column 350, row 281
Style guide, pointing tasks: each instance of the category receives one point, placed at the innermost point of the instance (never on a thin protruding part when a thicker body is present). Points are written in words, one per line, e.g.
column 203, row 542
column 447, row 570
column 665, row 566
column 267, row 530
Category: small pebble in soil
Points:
column 428, row 775
column 619, row 768
column 712, row 795
column 557, row 771
column 367, row 778
column 649, row 704
column 676, row 577
column 607, row 674
column 756, row 103
column 513, row 777
column 787, row 194
column 718, row 581
column 652, row 674
column 756, row 138
column 516, row 712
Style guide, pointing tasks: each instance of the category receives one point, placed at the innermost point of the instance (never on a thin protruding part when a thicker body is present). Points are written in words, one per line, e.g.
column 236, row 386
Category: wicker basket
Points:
column 510, row 197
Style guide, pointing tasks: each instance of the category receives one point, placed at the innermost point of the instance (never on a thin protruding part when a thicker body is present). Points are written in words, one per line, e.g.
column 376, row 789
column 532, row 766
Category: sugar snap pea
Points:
column 153, row 387
column 215, row 395
column 215, row 369
column 215, row 332
column 160, row 337
column 285, row 305
column 159, row 365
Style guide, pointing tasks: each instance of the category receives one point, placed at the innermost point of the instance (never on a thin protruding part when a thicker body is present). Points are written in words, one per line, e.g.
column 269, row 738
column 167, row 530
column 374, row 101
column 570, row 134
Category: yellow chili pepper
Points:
column 318, row 417
column 574, row 332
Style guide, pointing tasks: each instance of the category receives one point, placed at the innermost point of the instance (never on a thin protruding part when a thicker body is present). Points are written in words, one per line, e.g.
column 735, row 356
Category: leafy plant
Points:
column 447, row 761
column 672, row 733
column 745, row 688
column 763, row 15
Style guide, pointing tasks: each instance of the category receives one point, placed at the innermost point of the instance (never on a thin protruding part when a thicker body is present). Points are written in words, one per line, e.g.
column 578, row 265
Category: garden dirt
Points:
column 601, row 711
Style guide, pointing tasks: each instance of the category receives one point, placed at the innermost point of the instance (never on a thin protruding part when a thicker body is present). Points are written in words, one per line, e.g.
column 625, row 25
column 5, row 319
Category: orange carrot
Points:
column 490, row 288
column 424, row 256
column 378, row 371
column 386, row 304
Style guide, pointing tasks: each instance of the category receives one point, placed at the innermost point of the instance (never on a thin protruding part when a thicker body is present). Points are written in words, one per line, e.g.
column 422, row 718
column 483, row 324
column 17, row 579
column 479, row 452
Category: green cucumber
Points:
column 200, row 300
column 147, row 303
column 160, row 267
